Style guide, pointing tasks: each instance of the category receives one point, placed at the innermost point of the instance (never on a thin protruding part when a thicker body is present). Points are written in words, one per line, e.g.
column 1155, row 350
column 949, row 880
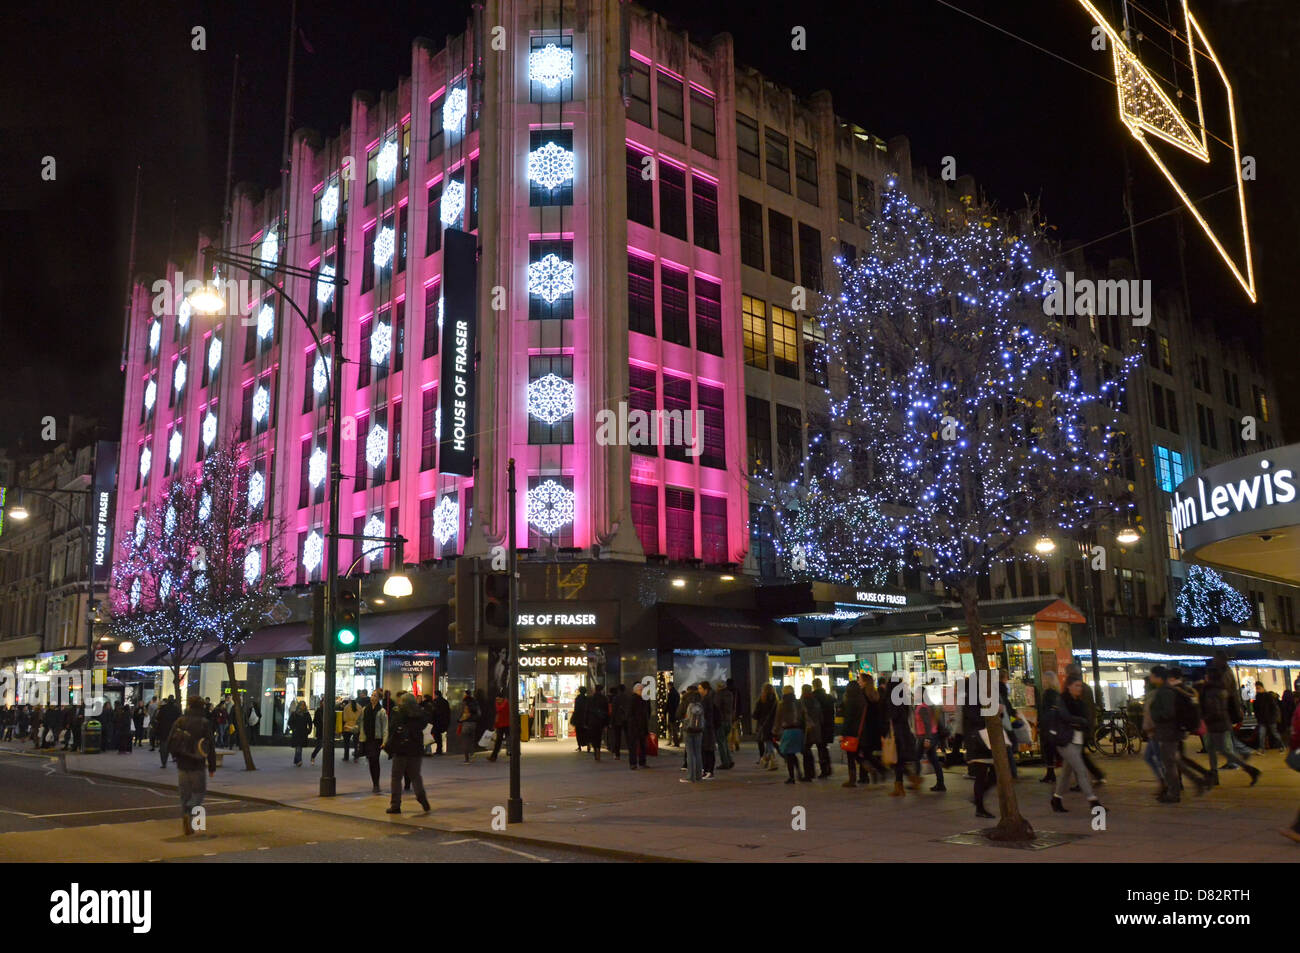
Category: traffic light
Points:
column 496, row 600
column 319, row 625
column 460, row 586
column 347, row 618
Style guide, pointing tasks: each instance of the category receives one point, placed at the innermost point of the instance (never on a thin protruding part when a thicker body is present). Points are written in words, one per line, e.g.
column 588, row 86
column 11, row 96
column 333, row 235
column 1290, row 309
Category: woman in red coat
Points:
column 502, row 725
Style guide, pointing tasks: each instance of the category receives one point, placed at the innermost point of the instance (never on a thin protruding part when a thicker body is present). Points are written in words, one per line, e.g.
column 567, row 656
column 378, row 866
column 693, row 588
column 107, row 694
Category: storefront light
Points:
column 679, row 583
column 1045, row 545
column 1127, row 536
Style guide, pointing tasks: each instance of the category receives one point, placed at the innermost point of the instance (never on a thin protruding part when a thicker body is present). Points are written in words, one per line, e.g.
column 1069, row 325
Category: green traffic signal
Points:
column 347, row 637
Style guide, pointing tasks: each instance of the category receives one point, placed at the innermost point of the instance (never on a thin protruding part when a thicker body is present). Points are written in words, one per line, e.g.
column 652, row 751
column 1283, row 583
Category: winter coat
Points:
column 578, row 718
column 167, row 715
column 200, row 726
column 618, row 705
column 638, row 716
column 789, row 714
column 827, row 704
column 710, row 703
column 1075, row 711
column 1267, row 708
column 1220, row 705
column 873, row 728
column 597, row 712
column 351, row 715
column 812, row 712
column 503, row 714
column 1295, row 729
column 691, row 697
column 726, row 702
column 900, row 725
column 299, row 726
column 764, row 715
column 441, row 714
column 373, row 724
column 408, row 720
column 674, row 700
column 855, row 709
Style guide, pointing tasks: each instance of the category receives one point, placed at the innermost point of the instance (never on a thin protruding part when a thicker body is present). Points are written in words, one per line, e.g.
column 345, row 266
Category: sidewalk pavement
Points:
column 748, row 814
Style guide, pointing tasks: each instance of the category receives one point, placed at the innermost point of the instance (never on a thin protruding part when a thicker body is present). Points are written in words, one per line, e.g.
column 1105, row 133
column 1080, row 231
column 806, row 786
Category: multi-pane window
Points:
column 473, row 194
column 640, row 188
column 758, row 429
column 708, row 316
column 678, row 420
column 789, row 440
column 747, row 145
column 433, row 226
column 309, row 495
column 777, row 153
column 672, row 110
column 435, row 126
column 679, row 512
column 1260, row 401
column 551, row 281
column 645, row 515
column 814, row 352
column 844, row 193
column 364, row 366
column 780, row 232
column 563, row 535
column 1158, row 405
column 713, row 529
column 546, row 142
column 400, row 251
column 805, row 174
column 361, row 468
column 1231, row 389
column 785, row 342
column 751, row 234
column 395, row 444
column 639, row 109
column 704, row 136
column 713, row 449
column 561, row 92
column 372, row 175
column 866, row 201
column 762, row 539
column 676, row 306
column 1205, row 427
column 1169, row 469
column 368, row 261
column 672, row 200
column 641, row 294
column 429, row 429
column 539, row 430
column 1166, row 356
column 753, row 315
column 643, row 395
column 810, row 257
column 432, row 295
column 427, row 505
column 704, row 205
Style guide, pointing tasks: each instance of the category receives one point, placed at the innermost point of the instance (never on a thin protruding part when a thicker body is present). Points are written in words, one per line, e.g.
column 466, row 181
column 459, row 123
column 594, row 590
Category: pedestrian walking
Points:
column 709, row 741
column 1189, row 722
column 578, row 717
column 637, row 711
column 168, row 712
column 1268, row 715
column 406, row 745
column 151, row 712
column 764, row 719
column 1050, row 699
column 979, row 756
column 1293, row 761
column 372, row 729
column 1151, row 751
column 690, row 714
column 725, row 700
column 597, row 718
column 1221, row 708
column 791, row 722
column 351, row 715
column 826, row 702
column 467, row 725
column 898, row 727
column 855, row 716
column 674, row 726
column 501, row 726
column 192, row 747
column 123, row 730
column 871, row 742
column 300, row 725
column 926, row 731
column 318, row 725
column 812, row 727
column 618, row 701
column 441, row 720
column 23, row 721
column 138, row 719
column 1074, row 712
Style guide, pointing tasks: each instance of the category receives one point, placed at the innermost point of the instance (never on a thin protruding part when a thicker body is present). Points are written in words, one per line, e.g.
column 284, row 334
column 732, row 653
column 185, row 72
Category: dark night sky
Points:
column 103, row 87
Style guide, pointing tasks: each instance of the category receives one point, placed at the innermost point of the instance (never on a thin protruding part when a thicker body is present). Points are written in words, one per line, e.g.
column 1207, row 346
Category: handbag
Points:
column 652, row 744
column 889, row 750
column 850, row 743
column 1293, row 759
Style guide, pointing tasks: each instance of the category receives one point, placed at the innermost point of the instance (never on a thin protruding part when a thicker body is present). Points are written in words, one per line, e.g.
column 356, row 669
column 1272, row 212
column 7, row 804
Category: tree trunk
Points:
column 1011, row 826
column 239, row 713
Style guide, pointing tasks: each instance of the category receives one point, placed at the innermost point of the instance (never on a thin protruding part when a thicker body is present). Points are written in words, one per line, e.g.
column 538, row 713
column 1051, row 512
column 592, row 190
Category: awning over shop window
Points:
column 693, row 627
column 411, row 630
column 20, row 648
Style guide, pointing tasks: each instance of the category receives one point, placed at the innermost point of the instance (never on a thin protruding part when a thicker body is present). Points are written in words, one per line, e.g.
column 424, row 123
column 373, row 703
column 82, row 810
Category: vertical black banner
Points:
column 102, row 502
column 459, row 326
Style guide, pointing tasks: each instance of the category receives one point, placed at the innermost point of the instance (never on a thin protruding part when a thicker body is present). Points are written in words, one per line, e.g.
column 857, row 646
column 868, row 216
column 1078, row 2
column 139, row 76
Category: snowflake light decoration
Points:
column 385, row 242
column 325, row 285
column 381, row 342
column 265, row 321
column 446, row 520
column 455, row 109
column 312, row 549
column 271, row 248
column 550, row 398
column 256, row 489
column 551, row 278
column 550, row 506
column 205, row 507
column 183, row 312
column 214, row 354
column 174, row 446
column 374, row 530
column 316, row 464
column 550, row 166
column 140, row 527
column 386, row 161
column 252, row 566
column 155, row 336
column 165, row 585
column 550, row 66
column 169, row 520
column 329, row 206
column 150, row 395
column 261, row 404
column 319, row 376
column 146, row 461
column 453, row 203
column 201, row 581
column 136, row 589
column 376, row 446
column 209, row 429
column 178, row 376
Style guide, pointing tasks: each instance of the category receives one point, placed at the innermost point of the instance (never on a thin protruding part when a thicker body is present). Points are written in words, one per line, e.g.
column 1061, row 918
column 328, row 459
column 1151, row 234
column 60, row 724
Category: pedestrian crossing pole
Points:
column 515, row 805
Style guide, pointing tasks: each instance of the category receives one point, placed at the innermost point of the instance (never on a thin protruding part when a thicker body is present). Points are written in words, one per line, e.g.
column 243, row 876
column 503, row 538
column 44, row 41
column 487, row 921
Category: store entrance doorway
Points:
column 548, row 699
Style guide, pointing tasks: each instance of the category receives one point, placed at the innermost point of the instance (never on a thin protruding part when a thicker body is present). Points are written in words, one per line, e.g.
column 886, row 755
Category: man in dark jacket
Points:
column 827, row 705
column 1221, row 707
column 167, row 715
column 441, row 720
column 597, row 718
column 190, row 741
column 406, row 745
column 618, row 705
column 709, row 739
column 578, row 717
column 674, row 726
column 637, row 712
column 1267, row 713
column 725, row 699
column 855, row 710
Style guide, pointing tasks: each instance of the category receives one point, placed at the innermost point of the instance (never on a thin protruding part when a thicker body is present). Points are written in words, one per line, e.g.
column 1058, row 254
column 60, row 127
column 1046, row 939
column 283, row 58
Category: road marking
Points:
column 5, row 810
column 117, row 810
column 449, row 843
column 511, row 850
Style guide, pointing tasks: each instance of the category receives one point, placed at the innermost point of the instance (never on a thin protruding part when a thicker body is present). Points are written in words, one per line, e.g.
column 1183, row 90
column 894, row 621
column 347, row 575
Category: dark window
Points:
column 308, row 377
column 672, row 111
column 427, row 505
column 758, row 429
column 400, row 250
column 866, row 201
column 789, row 440
column 810, row 257
column 676, row 306
column 561, row 194
column 368, row 261
column 672, row 200
column 1158, row 404
column 844, row 193
column 473, row 195
column 363, row 359
column 432, row 295
column 428, row 429
column 645, row 515
column 751, row 234
column 640, row 189
column 562, row 307
column 714, row 448
column 361, row 468
column 713, row 529
column 708, row 316
column 679, row 510
column 395, row 445
column 704, row 203
column 643, row 395
column 704, row 136
column 435, row 127
column 805, row 173
column 777, row 153
column 433, row 227
column 781, row 234
column 639, row 109
column 399, row 336
column 814, row 352
column 539, row 366
column 677, row 420
column 246, row 413
column 747, row 145
column 560, row 92
column 762, row 533
column 641, row 294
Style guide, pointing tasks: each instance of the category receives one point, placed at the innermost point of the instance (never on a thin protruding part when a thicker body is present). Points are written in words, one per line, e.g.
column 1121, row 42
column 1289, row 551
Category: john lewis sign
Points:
column 1252, row 494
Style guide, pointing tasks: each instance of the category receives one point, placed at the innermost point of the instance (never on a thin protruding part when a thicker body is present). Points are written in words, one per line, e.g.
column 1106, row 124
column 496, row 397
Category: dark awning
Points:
column 698, row 627
column 414, row 629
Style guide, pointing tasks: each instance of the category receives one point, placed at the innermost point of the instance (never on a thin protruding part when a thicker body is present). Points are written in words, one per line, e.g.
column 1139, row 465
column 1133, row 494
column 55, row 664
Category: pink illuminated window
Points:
column 713, row 453
column 713, row 529
column 645, row 516
column 641, row 294
column 679, row 508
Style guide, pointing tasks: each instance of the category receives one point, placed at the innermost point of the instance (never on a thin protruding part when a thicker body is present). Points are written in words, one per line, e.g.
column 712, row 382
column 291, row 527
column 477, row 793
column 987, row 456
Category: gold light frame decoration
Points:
column 1146, row 109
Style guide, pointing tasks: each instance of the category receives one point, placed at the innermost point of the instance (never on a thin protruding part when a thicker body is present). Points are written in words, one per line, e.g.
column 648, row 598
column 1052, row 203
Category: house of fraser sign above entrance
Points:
column 1252, row 494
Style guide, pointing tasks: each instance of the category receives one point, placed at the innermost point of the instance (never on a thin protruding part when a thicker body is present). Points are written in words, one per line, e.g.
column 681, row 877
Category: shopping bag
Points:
column 1020, row 731
column 485, row 741
column 652, row 744
column 889, row 750
column 1293, row 759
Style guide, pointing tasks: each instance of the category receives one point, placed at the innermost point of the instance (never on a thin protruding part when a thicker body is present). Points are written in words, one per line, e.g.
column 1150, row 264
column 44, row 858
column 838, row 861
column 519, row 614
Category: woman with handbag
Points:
column 870, row 739
column 855, row 718
column 900, row 734
column 790, row 723
column 467, row 724
column 1051, row 698
column 764, row 716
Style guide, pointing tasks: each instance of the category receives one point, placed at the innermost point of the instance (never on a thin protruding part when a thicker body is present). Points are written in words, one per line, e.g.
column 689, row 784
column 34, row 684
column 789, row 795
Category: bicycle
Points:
column 1115, row 734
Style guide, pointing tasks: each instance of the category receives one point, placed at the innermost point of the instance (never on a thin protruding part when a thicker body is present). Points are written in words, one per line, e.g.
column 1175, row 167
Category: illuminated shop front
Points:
column 549, row 678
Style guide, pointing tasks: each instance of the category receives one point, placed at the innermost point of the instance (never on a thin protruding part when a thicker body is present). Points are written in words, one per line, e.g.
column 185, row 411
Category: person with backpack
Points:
column 1221, row 707
column 406, row 746
column 1070, row 721
column 372, row 730
column 1293, row 832
column 1268, row 715
column 191, row 745
column 690, row 713
column 467, row 725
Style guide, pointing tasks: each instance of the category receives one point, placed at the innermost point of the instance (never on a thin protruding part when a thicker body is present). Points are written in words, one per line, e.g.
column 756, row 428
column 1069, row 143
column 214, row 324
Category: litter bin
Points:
column 91, row 736
column 523, row 726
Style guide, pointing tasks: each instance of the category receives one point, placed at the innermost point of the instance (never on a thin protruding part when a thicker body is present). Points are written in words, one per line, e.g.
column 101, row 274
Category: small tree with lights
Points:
column 1206, row 599
column 963, row 421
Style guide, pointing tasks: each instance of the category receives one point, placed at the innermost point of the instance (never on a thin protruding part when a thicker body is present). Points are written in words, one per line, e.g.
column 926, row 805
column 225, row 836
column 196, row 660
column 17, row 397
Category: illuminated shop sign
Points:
column 552, row 661
column 102, row 507
column 567, row 619
column 1251, row 494
column 457, row 397
column 881, row 598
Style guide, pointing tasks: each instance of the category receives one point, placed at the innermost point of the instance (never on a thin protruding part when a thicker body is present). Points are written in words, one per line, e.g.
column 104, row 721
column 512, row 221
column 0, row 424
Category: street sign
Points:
column 101, row 656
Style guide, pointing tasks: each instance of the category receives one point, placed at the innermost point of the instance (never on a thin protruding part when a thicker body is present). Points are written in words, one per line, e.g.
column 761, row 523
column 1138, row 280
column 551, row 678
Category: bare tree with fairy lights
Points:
column 964, row 421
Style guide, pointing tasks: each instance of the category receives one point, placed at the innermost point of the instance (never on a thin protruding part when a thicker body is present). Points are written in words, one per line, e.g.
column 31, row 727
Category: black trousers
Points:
column 502, row 734
column 437, row 741
column 348, row 737
column 983, row 781
column 616, row 739
column 636, row 751
column 710, row 760
column 371, row 751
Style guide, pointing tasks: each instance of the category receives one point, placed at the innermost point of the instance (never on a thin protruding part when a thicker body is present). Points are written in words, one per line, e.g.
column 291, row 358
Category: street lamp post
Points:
column 515, row 804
